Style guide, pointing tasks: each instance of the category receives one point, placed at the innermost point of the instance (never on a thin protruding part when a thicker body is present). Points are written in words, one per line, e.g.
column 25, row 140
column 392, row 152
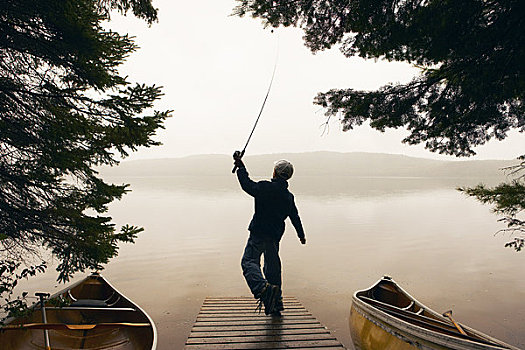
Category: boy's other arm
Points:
column 297, row 224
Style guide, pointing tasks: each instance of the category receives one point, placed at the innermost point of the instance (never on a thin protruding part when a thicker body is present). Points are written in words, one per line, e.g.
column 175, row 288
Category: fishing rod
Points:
column 258, row 117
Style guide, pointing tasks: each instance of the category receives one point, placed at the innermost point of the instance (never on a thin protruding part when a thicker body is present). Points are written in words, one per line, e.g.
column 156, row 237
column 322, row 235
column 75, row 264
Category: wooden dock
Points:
column 232, row 323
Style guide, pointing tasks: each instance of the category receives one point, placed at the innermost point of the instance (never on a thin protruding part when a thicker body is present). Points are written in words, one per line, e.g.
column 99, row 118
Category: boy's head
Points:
column 283, row 169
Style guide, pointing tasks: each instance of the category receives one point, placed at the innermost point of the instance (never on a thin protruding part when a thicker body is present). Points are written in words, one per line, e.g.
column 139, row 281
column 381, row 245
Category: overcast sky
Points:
column 215, row 70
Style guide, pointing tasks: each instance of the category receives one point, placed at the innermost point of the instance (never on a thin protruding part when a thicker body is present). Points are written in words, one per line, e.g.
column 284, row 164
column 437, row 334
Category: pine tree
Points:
column 64, row 110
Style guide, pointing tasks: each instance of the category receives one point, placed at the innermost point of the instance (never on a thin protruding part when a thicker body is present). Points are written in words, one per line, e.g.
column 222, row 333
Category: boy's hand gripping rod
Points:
column 257, row 120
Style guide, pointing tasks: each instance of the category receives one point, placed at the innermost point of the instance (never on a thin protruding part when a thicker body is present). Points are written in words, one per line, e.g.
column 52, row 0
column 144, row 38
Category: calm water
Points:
column 438, row 244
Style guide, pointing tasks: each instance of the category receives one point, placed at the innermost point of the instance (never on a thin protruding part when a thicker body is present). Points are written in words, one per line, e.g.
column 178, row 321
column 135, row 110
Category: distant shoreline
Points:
column 356, row 164
column 452, row 159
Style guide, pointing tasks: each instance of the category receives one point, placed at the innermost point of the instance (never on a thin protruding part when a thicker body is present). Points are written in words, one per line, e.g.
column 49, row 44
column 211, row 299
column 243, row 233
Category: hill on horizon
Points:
column 357, row 164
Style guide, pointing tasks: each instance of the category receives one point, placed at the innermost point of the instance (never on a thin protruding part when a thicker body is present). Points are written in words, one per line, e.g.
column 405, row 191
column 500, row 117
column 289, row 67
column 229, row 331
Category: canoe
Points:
column 386, row 317
column 92, row 315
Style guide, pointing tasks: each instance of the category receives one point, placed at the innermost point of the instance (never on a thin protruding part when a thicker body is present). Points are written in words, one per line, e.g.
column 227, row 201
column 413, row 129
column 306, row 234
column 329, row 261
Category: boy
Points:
column 273, row 204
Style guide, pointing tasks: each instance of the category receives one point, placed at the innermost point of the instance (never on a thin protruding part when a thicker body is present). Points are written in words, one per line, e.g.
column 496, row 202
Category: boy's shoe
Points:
column 269, row 298
column 279, row 307
column 273, row 300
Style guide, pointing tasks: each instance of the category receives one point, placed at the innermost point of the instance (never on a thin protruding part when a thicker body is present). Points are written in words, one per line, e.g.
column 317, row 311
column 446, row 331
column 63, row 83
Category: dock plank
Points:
column 232, row 323
column 245, row 307
column 260, row 332
column 247, row 311
column 263, row 327
column 255, row 323
column 332, row 344
column 261, row 338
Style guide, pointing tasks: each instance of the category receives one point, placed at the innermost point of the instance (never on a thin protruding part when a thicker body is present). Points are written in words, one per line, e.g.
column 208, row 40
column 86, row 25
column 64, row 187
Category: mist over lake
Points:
column 365, row 215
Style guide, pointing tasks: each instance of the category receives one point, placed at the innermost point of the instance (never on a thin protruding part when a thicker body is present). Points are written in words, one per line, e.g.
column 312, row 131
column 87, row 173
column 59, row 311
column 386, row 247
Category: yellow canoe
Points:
column 96, row 316
column 388, row 318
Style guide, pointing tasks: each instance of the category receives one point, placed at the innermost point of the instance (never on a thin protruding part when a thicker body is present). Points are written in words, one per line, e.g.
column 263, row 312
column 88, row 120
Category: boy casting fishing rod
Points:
column 273, row 204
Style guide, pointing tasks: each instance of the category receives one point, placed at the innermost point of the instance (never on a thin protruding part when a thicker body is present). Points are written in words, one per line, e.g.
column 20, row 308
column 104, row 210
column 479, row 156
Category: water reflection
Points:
column 319, row 186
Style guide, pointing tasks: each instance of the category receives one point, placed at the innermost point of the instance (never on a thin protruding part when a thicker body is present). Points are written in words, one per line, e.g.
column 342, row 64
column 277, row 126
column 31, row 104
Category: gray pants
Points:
column 251, row 263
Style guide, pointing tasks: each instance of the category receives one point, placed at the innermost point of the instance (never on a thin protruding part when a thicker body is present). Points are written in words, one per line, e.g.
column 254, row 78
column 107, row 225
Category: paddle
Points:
column 47, row 326
column 449, row 315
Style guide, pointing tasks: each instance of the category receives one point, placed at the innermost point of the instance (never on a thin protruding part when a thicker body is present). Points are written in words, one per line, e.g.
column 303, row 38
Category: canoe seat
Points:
column 90, row 303
column 408, row 308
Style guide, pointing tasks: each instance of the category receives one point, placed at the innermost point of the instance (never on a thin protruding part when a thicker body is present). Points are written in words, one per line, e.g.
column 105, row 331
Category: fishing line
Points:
column 263, row 104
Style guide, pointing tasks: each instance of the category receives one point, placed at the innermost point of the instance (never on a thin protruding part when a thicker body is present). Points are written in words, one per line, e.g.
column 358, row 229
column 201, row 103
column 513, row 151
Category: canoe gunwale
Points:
column 384, row 320
column 72, row 326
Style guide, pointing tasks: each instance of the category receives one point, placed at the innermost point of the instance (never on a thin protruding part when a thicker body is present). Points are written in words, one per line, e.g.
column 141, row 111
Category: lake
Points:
column 438, row 244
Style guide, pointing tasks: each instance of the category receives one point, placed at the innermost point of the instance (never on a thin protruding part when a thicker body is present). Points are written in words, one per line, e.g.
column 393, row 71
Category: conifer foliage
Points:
column 471, row 87
column 64, row 109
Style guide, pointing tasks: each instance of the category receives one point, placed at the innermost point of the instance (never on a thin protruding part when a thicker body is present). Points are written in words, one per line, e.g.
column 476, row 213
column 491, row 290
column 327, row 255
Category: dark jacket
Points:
column 273, row 204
